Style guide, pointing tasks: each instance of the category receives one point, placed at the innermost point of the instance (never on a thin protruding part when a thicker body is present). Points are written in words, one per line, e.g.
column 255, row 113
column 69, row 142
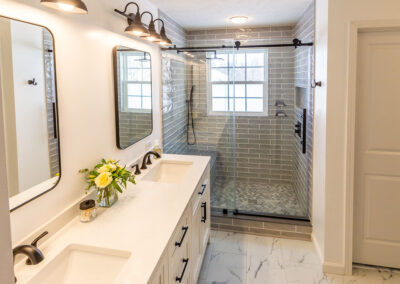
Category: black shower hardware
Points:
column 297, row 128
column 190, row 118
column 137, row 28
column 304, row 138
column 147, row 159
column 280, row 113
column 300, row 129
column 315, row 84
column 280, row 103
column 32, row 82
column 54, row 120
column 296, row 43
column 178, row 51
column 71, row 6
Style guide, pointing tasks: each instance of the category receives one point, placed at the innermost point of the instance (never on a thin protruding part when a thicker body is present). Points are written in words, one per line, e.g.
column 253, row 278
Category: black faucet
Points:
column 147, row 159
column 137, row 171
column 34, row 254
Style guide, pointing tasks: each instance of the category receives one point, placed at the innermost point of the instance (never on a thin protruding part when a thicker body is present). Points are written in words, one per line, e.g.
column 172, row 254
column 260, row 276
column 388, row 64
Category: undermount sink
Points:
column 82, row 264
column 168, row 171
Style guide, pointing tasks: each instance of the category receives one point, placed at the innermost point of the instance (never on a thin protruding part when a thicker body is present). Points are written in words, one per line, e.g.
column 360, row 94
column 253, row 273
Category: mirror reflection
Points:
column 29, row 143
column 133, row 95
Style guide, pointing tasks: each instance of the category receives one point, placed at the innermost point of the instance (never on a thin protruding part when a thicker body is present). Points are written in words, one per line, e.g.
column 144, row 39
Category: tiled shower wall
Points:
column 263, row 145
column 173, row 91
column 304, row 63
column 133, row 127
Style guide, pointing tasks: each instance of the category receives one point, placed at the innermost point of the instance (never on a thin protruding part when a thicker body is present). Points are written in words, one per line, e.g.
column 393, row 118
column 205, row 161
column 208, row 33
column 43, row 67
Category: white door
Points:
column 377, row 150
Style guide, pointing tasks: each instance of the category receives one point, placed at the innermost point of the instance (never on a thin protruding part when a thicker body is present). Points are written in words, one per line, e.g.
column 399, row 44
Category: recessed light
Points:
column 239, row 19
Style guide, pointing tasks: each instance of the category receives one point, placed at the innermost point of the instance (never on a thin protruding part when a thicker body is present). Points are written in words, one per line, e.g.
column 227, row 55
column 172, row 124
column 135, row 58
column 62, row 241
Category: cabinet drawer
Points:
column 180, row 236
column 179, row 265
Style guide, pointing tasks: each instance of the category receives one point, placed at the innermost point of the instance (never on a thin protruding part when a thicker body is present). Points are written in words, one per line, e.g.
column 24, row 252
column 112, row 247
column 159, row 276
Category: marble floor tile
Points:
column 233, row 258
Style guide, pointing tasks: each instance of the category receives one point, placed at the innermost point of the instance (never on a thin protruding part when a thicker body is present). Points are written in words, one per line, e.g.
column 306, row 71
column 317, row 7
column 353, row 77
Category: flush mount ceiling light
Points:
column 239, row 19
column 135, row 25
column 165, row 41
column 71, row 6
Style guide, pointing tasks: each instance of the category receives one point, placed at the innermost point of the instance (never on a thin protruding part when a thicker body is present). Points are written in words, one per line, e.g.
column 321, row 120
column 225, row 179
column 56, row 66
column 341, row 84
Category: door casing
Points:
column 355, row 27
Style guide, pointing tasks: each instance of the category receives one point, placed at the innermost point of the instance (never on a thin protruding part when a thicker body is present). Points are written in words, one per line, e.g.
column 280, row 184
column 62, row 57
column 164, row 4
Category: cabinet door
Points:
column 160, row 273
column 196, row 241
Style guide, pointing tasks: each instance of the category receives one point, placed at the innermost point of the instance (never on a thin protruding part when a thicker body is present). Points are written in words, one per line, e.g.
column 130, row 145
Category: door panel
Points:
column 377, row 150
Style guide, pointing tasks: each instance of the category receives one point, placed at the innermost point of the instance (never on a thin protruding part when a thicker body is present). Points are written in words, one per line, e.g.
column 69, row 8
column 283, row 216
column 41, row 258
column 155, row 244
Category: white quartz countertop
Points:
column 141, row 223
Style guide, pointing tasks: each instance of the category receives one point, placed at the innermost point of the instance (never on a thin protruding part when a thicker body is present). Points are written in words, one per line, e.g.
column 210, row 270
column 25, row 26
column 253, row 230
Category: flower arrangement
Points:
column 109, row 178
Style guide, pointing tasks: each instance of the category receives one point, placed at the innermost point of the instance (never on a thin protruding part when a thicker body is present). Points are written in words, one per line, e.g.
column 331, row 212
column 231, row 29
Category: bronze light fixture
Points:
column 137, row 28
column 135, row 25
column 165, row 41
column 153, row 35
column 71, row 6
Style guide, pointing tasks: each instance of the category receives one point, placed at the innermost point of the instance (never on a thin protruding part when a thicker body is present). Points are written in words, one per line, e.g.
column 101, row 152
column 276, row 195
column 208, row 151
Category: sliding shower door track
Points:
column 266, row 215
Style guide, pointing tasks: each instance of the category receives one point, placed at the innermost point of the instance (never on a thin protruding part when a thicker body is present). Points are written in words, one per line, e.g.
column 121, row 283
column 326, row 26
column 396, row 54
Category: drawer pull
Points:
column 184, row 229
column 204, row 217
column 203, row 188
column 179, row 279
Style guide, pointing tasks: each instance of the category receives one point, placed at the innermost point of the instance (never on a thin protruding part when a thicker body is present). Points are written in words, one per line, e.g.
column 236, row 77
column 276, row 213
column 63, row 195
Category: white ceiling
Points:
column 197, row 14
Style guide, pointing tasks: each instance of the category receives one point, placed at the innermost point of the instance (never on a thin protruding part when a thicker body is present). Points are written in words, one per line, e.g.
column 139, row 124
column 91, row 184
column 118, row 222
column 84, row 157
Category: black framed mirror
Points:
column 133, row 95
column 29, row 132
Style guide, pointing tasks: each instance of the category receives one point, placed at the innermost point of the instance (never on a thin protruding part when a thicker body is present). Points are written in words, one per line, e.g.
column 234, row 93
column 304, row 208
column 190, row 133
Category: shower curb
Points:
column 288, row 229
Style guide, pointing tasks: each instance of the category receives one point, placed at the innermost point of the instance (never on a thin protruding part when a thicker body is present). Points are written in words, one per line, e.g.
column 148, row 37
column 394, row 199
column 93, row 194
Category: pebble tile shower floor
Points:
column 276, row 199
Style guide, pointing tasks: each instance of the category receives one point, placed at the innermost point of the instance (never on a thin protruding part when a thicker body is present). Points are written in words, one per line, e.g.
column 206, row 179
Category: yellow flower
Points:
column 111, row 167
column 103, row 180
column 103, row 169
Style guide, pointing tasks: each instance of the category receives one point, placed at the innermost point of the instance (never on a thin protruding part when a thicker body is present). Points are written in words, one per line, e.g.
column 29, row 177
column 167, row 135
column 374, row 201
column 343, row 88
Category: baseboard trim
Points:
column 333, row 268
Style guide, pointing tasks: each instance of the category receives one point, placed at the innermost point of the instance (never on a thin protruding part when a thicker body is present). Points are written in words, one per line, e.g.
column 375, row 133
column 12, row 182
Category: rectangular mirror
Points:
column 133, row 95
column 29, row 140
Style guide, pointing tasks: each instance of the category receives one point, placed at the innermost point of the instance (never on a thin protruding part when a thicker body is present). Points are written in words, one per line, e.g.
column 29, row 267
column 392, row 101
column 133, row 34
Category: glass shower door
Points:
column 272, row 170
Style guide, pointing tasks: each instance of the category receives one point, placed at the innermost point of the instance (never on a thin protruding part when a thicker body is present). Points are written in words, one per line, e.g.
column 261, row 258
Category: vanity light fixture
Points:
column 71, row 6
column 137, row 28
column 239, row 19
column 165, row 41
column 153, row 35
column 135, row 25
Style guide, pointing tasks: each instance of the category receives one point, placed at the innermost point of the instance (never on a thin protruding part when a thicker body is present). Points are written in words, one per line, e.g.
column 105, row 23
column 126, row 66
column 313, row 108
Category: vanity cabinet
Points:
column 183, row 257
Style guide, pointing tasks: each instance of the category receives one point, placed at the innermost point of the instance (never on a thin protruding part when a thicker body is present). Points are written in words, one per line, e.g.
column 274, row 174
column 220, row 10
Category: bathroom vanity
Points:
column 156, row 233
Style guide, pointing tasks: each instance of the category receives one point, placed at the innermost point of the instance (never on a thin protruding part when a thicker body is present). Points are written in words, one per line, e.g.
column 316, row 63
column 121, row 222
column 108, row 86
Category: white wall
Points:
column 30, row 105
column 84, row 69
column 319, row 132
column 332, row 196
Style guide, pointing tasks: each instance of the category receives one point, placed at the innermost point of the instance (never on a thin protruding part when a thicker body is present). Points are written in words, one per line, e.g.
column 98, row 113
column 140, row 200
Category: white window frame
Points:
column 124, row 85
column 265, row 84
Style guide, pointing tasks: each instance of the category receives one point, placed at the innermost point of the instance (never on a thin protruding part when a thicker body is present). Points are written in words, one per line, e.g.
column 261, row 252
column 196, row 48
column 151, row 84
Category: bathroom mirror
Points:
column 133, row 91
column 29, row 139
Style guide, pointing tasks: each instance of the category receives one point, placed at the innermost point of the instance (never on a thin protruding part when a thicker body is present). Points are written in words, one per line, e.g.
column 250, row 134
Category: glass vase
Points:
column 107, row 196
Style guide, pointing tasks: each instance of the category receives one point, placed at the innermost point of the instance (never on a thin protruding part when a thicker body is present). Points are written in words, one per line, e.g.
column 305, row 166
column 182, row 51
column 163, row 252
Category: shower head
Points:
column 144, row 59
column 215, row 56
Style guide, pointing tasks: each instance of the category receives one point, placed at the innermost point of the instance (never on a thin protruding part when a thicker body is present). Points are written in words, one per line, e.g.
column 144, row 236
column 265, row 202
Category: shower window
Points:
column 136, row 82
column 238, row 82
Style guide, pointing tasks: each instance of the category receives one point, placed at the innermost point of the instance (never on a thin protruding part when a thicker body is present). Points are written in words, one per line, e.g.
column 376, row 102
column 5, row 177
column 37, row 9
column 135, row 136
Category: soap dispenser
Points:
column 156, row 147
